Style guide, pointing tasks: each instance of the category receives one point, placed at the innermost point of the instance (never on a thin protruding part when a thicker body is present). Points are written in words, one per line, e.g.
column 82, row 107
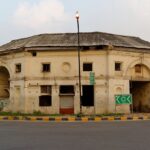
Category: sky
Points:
column 23, row 18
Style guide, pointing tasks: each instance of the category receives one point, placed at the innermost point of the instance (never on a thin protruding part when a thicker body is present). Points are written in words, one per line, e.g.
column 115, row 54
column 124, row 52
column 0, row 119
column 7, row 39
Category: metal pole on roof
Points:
column 79, row 71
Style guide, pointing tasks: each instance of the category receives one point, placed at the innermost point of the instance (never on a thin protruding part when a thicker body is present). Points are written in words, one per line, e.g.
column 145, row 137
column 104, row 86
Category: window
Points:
column 87, row 66
column 138, row 68
column 46, row 89
column 18, row 68
column 46, row 68
column 118, row 66
column 45, row 100
column 34, row 54
column 66, row 89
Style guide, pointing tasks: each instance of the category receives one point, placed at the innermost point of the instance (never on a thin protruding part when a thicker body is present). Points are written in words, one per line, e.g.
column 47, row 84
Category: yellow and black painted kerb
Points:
column 75, row 119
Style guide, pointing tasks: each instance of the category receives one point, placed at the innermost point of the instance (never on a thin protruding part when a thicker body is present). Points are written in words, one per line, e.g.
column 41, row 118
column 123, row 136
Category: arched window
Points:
column 138, row 68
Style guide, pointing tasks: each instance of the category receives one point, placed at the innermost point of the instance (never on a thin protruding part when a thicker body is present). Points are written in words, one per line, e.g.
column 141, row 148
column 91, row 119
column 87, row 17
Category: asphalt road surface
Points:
column 75, row 136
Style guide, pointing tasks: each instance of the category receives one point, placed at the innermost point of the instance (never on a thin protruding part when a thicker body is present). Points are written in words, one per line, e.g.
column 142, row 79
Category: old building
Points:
column 40, row 73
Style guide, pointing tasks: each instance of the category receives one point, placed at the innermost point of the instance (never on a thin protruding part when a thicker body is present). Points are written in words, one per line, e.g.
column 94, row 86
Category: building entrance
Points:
column 140, row 91
column 66, row 93
column 88, row 95
column 66, row 104
column 4, row 83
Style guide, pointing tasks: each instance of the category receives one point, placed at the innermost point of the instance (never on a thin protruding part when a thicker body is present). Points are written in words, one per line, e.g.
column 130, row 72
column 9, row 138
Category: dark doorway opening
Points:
column 140, row 91
column 88, row 95
column 4, row 83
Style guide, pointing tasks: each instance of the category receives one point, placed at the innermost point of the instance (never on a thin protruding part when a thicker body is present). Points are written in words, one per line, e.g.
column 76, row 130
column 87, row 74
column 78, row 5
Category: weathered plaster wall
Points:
column 25, row 86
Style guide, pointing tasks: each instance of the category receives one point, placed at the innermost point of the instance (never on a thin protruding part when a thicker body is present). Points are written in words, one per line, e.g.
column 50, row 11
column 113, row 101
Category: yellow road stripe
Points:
column 97, row 119
column 145, row 117
column 1, row 117
column 58, row 119
column 33, row 118
column 111, row 118
column 10, row 118
column 45, row 118
column 135, row 118
column 123, row 118
column 71, row 119
column 20, row 117
column 84, row 119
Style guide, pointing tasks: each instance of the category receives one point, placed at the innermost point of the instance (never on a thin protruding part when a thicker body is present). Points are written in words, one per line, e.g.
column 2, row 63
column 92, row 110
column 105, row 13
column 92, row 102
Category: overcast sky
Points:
column 22, row 18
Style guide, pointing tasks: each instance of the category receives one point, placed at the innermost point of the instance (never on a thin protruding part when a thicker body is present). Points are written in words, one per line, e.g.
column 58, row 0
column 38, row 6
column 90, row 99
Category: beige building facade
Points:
column 40, row 73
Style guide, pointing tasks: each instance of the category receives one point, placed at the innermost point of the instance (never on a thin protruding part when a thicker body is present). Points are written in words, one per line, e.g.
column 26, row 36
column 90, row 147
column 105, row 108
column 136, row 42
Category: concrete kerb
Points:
column 74, row 119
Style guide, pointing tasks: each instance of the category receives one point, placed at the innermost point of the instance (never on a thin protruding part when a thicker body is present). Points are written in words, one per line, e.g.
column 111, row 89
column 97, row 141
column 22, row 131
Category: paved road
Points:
column 75, row 136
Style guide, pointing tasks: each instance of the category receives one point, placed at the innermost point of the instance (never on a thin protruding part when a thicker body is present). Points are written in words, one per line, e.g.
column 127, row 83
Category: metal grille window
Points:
column 45, row 99
column 46, row 67
column 46, row 89
column 18, row 68
column 87, row 67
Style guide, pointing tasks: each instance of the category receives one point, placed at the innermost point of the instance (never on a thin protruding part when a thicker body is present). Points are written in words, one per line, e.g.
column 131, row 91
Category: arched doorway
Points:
column 140, row 87
column 4, row 83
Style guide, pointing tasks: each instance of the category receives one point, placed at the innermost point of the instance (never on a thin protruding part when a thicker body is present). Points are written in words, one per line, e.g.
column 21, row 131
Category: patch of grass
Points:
column 79, row 115
column 35, row 113
column 39, row 113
